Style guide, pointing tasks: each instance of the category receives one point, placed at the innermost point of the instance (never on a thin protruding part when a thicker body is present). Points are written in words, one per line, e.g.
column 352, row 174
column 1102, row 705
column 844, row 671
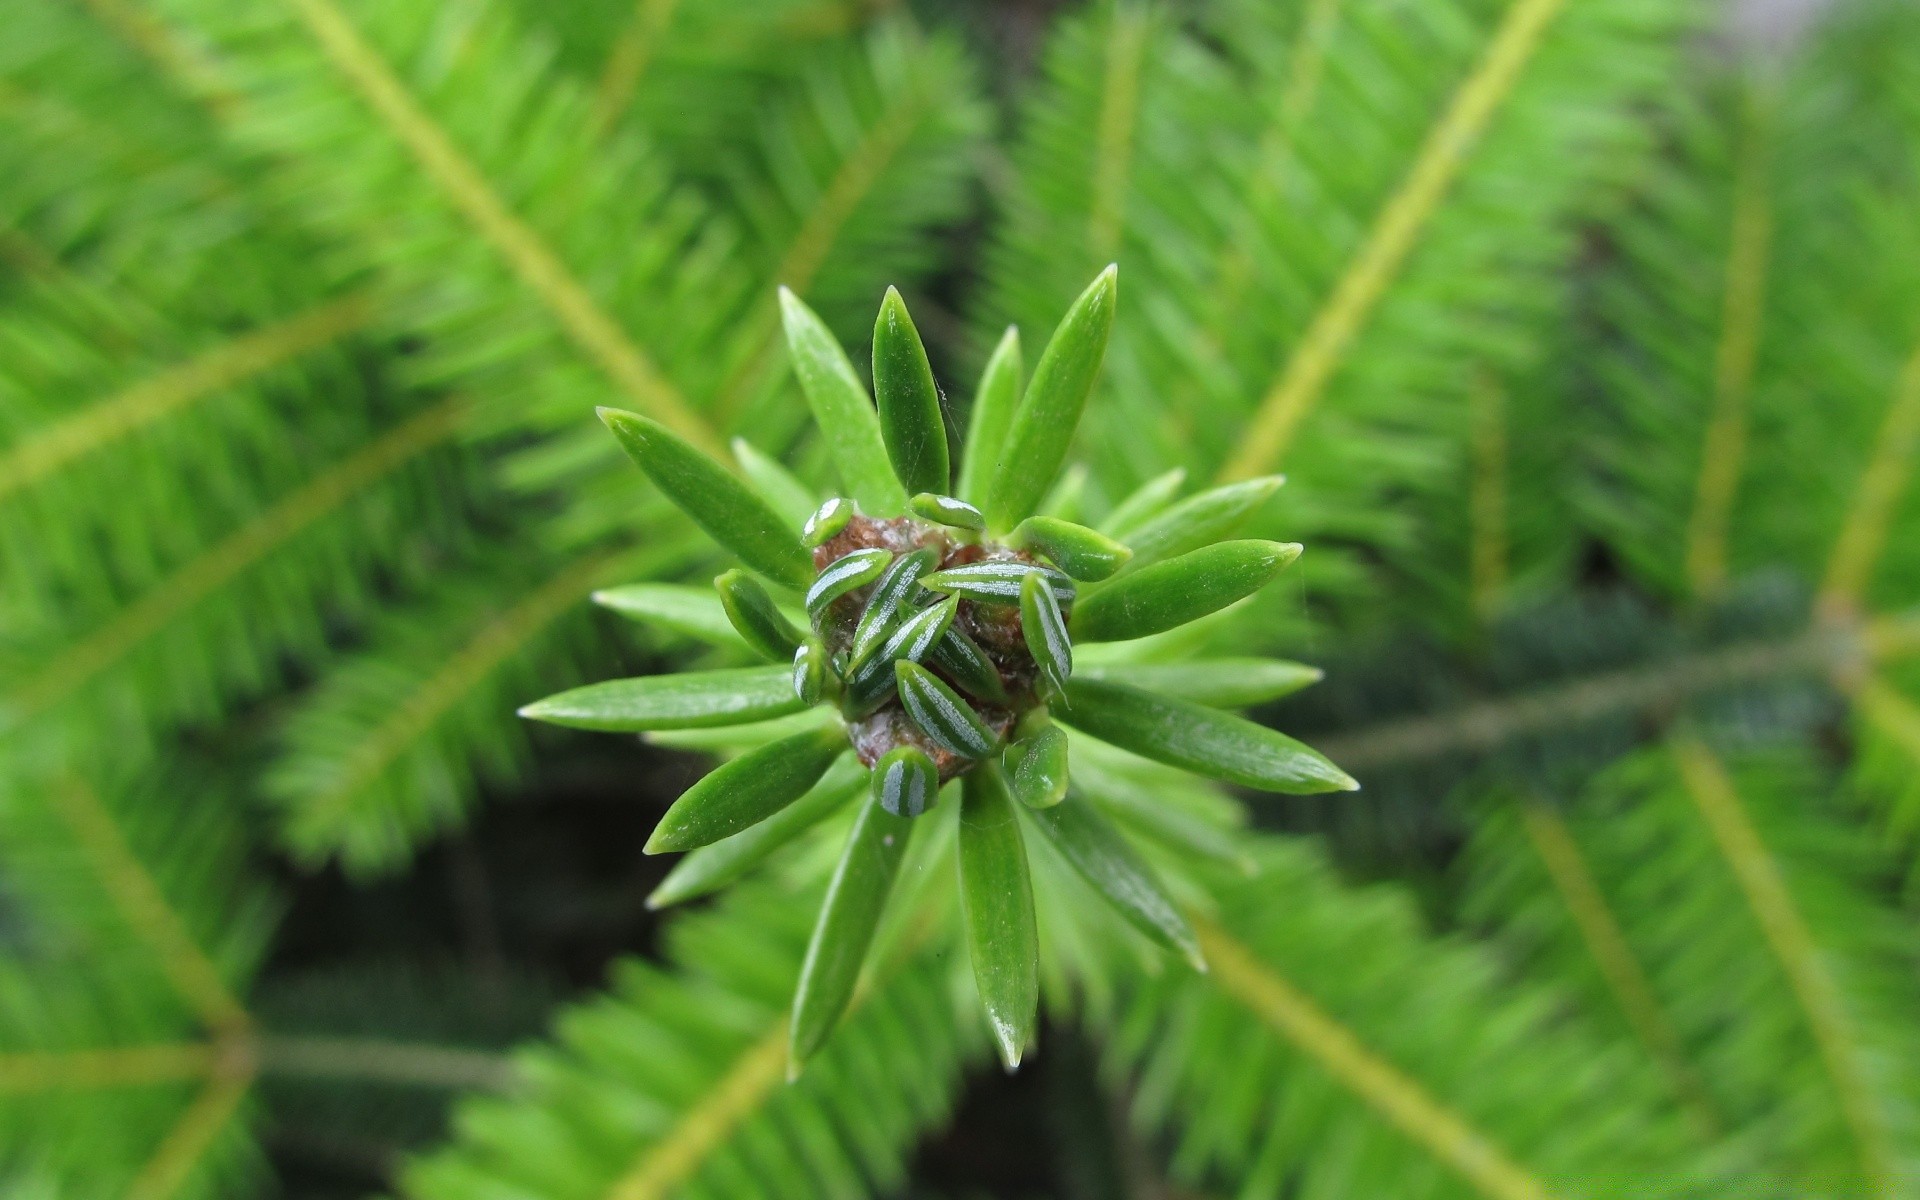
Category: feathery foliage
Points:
column 1583, row 333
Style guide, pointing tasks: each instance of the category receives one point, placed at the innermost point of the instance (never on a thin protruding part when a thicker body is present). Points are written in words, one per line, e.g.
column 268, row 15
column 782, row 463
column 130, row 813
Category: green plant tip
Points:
column 941, row 630
column 1045, row 631
column 843, row 575
column 1085, row 554
column 826, row 521
column 905, row 782
column 756, row 618
column 909, row 401
column 998, row 581
column 945, row 510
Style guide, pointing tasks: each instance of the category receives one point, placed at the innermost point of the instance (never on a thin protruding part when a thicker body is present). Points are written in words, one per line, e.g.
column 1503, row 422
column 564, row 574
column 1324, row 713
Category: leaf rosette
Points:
column 941, row 630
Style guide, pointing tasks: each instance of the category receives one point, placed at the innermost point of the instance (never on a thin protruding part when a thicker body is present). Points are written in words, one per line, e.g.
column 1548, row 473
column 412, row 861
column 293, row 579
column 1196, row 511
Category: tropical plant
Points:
column 1585, row 334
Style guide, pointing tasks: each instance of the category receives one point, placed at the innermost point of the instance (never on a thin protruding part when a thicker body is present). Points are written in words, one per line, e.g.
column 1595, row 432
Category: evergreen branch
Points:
column 46, row 451
column 1484, row 726
column 813, row 241
column 1723, row 454
column 1392, row 238
column 754, row 1076
column 697, row 1056
column 27, row 1071
column 1863, row 535
column 1307, row 60
column 1765, row 890
column 1891, row 712
column 1488, row 546
column 538, row 267
column 301, row 1056
column 145, row 908
column 217, row 566
column 383, row 1061
column 1401, row 1101
column 1626, row 978
column 1114, row 133
column 1892, row 636
column 178, row 57
column 632, row 49
column 851, row 185
column 411, row 716
column 190, row 1138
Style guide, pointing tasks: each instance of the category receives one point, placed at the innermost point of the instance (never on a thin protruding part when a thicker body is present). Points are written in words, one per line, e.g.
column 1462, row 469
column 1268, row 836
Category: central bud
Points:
column 971, row 635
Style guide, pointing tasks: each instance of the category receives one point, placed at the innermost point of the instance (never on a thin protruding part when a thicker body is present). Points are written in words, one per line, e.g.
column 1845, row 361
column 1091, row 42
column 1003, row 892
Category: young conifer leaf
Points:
column 910, row 419
column 893, row 601
column 812, row 671
column 997, row 581
column 961, row 659
column 1090, row 843
column 941, row 714
column 873, row 677
column 993, row 404
column 712, row 867
column 847, row 573
column 1036, row 767
column 1171, row 593
column 830, row 518
column 789, row 497
column 754, row 615
column 714, row 497
column 695, row 612
column 855, row 897
column 996, row 902
column 1044, row 424
column 747, row 790
column 1203, row 740
column 1200, row 520
column 841, row 409
column 905, row 782
column 1214, row 682
column 945, row 510
column 1145, row 501
column 1045, row 631
column 690, row 700
column 1083, row 553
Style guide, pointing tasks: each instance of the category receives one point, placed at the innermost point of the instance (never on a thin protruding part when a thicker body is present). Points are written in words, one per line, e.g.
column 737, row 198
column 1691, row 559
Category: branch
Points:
column 538, row 267
column 383, row 1061
column 1603, row 938
column 187, row 1142
column 1742, row 309
column 1235, row 970
column 146, row 908
column 26, row 1071
column 414, row 714
column 1445, row 152
column 1863, row 536
column 241, row 549
column 1487, row 725
column 1713, row 794
column 47, row 450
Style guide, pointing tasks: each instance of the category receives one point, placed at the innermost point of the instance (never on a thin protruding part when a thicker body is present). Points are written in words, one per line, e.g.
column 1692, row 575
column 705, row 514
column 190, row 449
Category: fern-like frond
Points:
column 674, row 1083
column 1749, row 910
column 1367, row 1057
column 122, row 1059
column 1759, row 395
column 391, row 747
column 1349, row 232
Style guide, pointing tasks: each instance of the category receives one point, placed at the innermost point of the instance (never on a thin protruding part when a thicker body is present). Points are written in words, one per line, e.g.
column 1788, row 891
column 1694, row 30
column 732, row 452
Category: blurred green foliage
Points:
column 1586, row 333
